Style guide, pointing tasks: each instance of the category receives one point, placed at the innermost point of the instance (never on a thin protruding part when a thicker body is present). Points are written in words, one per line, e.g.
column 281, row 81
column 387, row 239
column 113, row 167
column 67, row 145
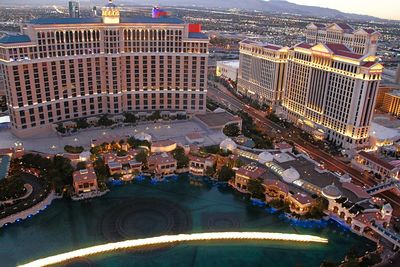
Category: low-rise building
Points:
column 369, row 162
column 85, row 181
column 123, row 164
column 199, row 165
column 228, row 69
column 300, row 203
column 391, row 102
column 275, row 189
column 162, row 164
column 246, row 173
column 163, row 146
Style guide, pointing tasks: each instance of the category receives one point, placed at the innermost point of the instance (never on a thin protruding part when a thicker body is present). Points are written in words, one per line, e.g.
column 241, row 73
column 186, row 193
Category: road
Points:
column 224, row 96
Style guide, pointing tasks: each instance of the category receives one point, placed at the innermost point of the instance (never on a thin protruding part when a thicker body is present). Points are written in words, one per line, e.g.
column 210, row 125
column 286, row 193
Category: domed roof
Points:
column 331, row 192
column 228, row 144
column 290, row 175
column 143, row 136
column 265, row 157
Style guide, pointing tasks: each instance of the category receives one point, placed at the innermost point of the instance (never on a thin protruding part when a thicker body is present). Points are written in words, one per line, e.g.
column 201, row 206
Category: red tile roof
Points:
column 163, row 158
column 282, row 186
column 271, row 46
column 251, row 171
column 303, row 199
column 370, row 31
column 345, row 26
column 368, row 64
column 376, row 160
column 367, row 218
column 356, row 189
column 304, row 45
column 84, row 175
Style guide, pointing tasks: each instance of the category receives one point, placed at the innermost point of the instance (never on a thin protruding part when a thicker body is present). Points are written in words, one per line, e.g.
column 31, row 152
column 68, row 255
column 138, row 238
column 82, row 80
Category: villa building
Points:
column 199, row 165
column 85, row 181
column 124, row 164
column 275, row 189
column 246, row 173
column 300, row 203
column 61, row 69
column 162, row 164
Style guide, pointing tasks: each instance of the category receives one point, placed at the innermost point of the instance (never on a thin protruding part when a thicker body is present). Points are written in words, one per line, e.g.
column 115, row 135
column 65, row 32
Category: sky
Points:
column 388, row 9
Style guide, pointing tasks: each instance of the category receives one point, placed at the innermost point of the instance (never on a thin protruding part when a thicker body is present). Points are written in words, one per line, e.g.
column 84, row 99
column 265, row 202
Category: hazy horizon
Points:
column 387, row 9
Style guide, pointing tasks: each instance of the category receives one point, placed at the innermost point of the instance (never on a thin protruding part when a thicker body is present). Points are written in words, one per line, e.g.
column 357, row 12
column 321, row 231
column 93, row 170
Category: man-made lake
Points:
column 144, row 209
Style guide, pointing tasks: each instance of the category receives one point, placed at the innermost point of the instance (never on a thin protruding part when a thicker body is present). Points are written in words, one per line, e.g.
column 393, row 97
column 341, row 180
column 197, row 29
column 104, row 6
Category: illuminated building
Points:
column 228, row 69
column 361, row 41
column 85, row 181
column 262, row 71
column 73, row 8
column 391, row 102
column 61, row 69
column 330, row 92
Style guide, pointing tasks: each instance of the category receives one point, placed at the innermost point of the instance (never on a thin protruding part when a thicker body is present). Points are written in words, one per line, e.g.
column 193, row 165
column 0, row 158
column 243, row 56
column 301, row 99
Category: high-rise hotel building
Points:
column 60, row 69
column 361, row 41
column 262, row 71
column 330, row 92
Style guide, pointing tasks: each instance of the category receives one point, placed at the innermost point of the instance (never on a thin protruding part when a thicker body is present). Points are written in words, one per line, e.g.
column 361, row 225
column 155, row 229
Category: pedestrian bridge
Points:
column 379, row 188
column 389, row 235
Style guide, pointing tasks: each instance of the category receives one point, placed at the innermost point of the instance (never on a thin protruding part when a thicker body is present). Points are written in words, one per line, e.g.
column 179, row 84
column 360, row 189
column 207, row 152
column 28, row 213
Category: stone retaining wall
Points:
column 29, row 212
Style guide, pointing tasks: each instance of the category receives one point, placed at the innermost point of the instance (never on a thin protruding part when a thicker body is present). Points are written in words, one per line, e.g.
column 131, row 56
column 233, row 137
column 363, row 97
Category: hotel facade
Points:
column 262, row 71
column 361, row 41
column 330, row 92
column 60, row 69
column 327, row 86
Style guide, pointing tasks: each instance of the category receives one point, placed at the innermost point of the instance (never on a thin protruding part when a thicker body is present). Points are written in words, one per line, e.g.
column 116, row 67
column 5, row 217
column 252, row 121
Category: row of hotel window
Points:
column 65, row 111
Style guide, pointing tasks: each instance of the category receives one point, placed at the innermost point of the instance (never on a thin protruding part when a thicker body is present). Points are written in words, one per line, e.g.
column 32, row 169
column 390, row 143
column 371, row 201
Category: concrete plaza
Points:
column 53, row 143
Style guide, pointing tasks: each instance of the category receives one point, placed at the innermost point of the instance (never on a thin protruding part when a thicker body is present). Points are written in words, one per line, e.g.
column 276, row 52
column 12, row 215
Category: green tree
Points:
column 105, row 121
column 11, row 187
column 181, row 158
column 129, row 117
column 81, row 165
column 142, row 157
column 81, row 123
column 225, row 174
column 135, row 143
column 256, row 189
column 101, row 170
column 231, row 130
column 210, row 171
column 74, row 149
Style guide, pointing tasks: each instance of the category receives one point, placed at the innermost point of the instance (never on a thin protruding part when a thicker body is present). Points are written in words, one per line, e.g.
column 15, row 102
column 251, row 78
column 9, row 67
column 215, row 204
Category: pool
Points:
column 183, row 205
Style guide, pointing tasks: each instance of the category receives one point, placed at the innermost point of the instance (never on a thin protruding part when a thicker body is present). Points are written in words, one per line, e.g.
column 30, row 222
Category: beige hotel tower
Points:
column 326, row 86
column 60, row 69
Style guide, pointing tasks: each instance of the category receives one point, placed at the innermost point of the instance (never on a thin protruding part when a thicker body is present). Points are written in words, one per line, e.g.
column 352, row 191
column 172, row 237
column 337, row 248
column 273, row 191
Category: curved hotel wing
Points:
column 66, row 68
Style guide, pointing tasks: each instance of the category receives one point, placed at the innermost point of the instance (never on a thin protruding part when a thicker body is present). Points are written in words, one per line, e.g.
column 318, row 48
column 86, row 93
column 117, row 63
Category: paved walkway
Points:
column 52, row 143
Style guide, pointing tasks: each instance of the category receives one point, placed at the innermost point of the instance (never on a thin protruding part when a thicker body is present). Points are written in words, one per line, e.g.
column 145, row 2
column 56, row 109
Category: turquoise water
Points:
column 143, row 209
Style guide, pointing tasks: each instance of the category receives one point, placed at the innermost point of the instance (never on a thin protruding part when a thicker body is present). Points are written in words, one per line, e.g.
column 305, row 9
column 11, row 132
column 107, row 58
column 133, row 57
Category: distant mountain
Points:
column 273, row 6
